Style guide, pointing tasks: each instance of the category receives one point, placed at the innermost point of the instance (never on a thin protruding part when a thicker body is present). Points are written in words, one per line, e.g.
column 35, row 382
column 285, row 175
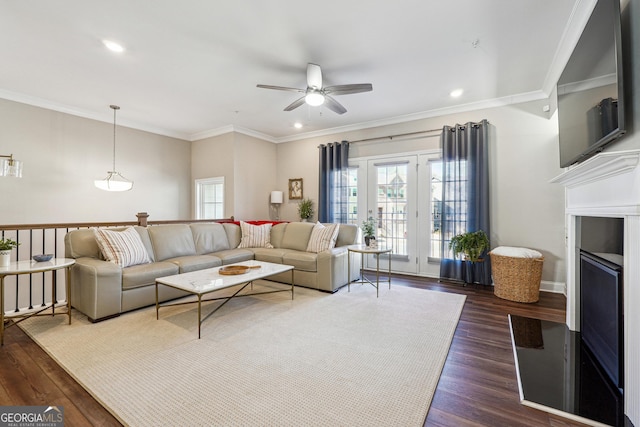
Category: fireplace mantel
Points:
column 602, row 166
column 608, row 185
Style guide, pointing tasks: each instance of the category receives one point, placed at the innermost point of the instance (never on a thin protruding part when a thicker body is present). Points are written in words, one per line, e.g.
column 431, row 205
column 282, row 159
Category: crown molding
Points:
column 580, row 15
column 228, row 129
column 479, row 105
column 106, row 118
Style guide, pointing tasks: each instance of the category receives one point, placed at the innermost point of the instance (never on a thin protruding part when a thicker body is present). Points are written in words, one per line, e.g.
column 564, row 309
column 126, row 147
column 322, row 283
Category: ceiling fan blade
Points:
column 347, row 89
column 334, row 105
column 295, row 104
column 288, row 89
column 314, row 76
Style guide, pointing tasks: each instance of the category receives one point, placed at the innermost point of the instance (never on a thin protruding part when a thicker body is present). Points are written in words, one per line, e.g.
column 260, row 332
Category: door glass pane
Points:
column 391, row 215
column 436, row 209
column 352, row 208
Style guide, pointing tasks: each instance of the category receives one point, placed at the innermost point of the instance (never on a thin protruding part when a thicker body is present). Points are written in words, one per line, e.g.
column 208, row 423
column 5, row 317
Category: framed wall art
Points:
column 295, row 189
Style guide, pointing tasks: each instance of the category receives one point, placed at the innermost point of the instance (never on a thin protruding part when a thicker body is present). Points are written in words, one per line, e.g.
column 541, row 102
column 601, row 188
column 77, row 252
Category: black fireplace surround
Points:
column 601, row 312
column 580, row 374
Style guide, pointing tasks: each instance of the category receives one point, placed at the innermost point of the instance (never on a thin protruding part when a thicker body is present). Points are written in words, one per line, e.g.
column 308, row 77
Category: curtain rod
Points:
column 398, row 135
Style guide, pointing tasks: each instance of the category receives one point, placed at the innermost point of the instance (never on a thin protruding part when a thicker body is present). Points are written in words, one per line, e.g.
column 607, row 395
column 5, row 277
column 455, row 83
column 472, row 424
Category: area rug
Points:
column 343, row 359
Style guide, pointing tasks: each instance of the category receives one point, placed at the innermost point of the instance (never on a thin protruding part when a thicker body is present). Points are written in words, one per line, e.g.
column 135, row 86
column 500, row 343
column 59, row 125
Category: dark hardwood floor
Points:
column 478, row 386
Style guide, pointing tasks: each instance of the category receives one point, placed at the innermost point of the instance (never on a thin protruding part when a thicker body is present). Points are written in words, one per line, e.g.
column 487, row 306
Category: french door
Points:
column 392, row 204
column 403, row 196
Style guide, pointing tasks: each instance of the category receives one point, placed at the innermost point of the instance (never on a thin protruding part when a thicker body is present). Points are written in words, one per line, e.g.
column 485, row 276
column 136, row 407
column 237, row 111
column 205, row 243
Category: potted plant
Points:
column 5, row 251
column 369, row 230
column 471, row 244
column 305, row 209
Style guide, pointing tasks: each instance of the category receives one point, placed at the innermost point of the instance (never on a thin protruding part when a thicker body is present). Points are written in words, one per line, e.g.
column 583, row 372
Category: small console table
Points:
column 362, row 250
column 17, row 268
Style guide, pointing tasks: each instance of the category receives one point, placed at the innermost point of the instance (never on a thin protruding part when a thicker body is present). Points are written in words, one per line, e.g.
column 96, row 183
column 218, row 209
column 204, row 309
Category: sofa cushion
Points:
column 195, row 262
column 296, row 235
column 277, row 233
column 209, row 238
column 122, row 247
column 171, row 241
column 255, row 236
column 322, row 238
column 146, row 274
column 231, row 256
column 82, row 243
column 305, row 261
column 347, row 235
column 234, row 234
column 270, row 255
column 146, row 241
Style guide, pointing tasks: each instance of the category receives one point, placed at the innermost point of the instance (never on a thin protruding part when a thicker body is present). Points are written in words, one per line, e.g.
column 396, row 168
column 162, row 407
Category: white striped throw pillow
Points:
column 322, row 238
column 123, row 248
column 255, row 236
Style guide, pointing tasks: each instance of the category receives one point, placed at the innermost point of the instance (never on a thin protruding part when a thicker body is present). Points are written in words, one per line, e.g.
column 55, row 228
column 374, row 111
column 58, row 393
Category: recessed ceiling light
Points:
column 456, row 93
column 113, row 46
column 297, row 125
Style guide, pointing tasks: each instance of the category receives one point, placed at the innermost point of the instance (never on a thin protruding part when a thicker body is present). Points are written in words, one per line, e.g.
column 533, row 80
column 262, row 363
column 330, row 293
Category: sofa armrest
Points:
column 332, row 268
column 96, row 288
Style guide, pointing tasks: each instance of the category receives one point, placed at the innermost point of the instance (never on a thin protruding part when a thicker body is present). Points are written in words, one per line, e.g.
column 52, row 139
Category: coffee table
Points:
column 203, row 282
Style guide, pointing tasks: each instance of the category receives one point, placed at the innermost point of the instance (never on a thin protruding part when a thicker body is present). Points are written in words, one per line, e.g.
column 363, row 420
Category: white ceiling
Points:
column 191, row 67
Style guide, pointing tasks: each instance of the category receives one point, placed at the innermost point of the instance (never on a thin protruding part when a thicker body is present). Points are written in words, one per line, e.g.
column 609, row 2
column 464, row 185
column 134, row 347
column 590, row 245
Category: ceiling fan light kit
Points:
column 315, row 94
column 314, row 99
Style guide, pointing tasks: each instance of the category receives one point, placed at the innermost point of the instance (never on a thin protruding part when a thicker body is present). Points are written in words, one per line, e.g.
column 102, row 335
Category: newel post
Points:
column 142, row 218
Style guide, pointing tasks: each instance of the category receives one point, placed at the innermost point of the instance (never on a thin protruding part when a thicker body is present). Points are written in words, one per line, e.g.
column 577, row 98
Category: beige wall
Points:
column 248, row 165
column 212, row 158
column 255, row 177
column 64, row 154
column 526, row 210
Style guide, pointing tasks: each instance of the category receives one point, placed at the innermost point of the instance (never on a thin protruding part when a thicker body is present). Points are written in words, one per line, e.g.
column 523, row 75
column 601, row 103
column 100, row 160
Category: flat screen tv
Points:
column 590, row 89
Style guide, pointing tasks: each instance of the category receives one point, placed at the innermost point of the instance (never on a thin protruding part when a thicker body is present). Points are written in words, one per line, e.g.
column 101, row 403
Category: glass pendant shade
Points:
column 114, row 180
column 11, row 167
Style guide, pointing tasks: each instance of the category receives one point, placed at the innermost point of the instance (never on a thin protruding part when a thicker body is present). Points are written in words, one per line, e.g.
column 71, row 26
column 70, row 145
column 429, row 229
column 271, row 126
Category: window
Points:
column 210, row 198
column 346, row 191
column 454, row 202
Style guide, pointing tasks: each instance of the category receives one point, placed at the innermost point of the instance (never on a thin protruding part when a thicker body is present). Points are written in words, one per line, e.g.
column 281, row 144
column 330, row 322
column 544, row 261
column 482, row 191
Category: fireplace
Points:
column 608, row 186
column 601, row 315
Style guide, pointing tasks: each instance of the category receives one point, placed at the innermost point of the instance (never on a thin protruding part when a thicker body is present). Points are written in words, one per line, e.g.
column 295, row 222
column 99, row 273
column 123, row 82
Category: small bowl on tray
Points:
column 42, row 257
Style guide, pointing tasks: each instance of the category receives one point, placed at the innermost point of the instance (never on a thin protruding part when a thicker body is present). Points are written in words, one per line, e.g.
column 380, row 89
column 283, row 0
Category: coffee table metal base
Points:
column 201, row 293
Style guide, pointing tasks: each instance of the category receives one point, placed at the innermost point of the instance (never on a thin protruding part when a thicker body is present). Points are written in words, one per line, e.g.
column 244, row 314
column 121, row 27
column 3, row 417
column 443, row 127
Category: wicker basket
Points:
column 516, row 279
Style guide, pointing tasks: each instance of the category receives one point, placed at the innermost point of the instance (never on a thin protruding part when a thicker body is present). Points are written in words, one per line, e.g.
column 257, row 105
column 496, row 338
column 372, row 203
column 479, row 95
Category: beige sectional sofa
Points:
column 102, row 289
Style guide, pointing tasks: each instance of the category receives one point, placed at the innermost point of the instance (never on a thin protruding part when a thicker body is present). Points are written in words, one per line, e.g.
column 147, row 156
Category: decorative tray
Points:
column 232, row 270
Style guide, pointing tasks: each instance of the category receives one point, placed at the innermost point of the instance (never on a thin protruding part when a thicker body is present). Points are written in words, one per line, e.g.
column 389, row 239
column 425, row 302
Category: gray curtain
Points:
column 332, row 194
column 465, row 196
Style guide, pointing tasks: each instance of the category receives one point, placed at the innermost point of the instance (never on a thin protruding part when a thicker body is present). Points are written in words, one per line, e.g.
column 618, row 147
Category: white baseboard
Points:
column 555, row 287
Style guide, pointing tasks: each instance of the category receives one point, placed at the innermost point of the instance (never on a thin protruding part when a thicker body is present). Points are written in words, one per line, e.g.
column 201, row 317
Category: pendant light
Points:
column 114, row 180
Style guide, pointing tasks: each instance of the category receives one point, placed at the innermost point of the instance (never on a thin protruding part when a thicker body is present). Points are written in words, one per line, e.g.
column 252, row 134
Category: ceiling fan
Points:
column 315, row 94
